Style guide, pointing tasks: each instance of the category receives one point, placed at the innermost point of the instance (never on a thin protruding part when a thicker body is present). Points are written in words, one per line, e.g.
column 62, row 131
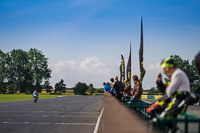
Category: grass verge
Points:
column 19, row 97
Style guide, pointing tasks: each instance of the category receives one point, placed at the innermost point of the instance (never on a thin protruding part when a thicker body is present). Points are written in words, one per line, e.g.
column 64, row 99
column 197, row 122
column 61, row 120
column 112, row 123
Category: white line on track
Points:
column 62, row 116
column 98, row 122
column 29, row 123
column 16, row 115
column 84, row 112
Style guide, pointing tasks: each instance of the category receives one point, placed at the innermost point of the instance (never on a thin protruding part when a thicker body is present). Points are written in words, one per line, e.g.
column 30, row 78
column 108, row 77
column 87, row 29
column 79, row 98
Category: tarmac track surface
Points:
column 70, row 114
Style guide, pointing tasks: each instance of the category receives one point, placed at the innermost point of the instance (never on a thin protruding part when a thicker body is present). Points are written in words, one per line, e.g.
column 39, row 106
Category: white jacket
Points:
column 179, row 82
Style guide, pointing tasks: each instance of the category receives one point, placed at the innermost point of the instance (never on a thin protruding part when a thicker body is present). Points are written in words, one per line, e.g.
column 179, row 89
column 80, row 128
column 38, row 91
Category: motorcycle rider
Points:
column 179, row 87
column 177, row 91
column 35, row 94
column 178, row 95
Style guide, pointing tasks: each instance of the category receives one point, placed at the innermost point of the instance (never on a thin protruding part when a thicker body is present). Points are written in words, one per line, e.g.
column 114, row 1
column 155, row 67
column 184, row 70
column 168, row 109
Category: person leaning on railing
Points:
column 137, row 89
column 177, row 91
column 127, row 88
column 112, row 84
column 119, row 88
column 160, row 85
column 177, row 95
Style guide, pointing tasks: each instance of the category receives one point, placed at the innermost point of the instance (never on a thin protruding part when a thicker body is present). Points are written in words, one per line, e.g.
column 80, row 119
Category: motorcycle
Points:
column 35, row 98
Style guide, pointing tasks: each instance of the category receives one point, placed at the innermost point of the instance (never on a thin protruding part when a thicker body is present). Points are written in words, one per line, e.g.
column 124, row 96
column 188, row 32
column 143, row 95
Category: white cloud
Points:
column 90, row 70
column 63, row 64
column 91, row 63
column 155, row 66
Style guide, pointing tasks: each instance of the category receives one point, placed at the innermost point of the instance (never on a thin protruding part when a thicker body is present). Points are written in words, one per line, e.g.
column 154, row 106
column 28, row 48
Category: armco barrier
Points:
column 187, row 119
column 140, row 106
column 151, row 96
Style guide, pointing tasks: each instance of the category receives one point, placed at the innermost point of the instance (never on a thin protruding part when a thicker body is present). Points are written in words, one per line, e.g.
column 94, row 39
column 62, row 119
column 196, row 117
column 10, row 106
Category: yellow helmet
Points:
column 168, row 62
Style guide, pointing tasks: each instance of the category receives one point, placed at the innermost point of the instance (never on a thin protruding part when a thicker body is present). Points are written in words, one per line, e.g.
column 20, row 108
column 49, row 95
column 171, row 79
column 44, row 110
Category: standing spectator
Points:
column 112, row 84
column 127, row 91
column 119, row 88
column 137, row 90
column 127, row 88
column 160, row 85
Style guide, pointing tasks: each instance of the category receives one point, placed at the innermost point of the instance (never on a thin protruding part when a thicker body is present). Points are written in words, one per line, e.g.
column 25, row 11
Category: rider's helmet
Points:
column 168, row 62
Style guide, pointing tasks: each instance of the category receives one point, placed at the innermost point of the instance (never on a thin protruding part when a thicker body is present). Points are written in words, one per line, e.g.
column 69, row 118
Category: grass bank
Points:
column 19, row 97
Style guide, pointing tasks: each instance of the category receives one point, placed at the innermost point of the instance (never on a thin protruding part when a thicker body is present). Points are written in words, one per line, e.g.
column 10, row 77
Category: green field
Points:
column 19, row 97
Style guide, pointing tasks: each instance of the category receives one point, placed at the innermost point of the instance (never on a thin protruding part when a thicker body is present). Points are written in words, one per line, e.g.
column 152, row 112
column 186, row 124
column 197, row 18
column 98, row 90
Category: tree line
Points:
column 79, row 88
column 23, row 71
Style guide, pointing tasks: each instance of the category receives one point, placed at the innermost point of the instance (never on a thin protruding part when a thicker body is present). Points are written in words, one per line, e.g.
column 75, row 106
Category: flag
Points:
column 128, row 69
column 141, row 56
column 122, row 70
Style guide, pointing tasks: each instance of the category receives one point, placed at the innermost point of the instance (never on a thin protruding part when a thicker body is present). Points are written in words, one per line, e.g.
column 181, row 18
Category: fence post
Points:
column 186, row 124
column 199, row 125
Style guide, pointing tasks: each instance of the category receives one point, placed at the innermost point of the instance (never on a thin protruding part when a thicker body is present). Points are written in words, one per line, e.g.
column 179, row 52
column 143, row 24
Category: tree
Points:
column 3, row 71
column 60, row 86
column 80, row 88
column 47, row 86
column 91, row 89
column 100, row 90
column 23, row 71
column 18, row 70
column 153, row 90
column 189, row 69
column 39, row 68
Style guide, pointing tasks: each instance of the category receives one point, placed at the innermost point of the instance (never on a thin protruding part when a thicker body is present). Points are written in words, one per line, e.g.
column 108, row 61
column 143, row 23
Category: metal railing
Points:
column 141, row 107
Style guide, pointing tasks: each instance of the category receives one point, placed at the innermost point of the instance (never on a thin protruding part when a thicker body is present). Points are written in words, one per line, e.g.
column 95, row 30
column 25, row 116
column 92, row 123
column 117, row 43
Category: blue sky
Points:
column 84, row 39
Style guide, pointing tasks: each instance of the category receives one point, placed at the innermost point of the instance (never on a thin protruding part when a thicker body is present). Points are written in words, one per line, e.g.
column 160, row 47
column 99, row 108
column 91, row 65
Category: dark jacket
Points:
column 162, row 87
column 118, row 86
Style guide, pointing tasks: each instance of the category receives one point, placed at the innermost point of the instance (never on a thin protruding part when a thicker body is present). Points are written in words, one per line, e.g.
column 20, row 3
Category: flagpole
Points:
column 128, row 69
column 141, row 54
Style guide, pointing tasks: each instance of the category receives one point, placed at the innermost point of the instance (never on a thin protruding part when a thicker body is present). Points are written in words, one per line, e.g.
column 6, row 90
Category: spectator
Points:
column 112, row 84
column 137, row 90
column 178, row 90
column 119, row 88
column 160, row 85
column 107, row 87
column 127, row 88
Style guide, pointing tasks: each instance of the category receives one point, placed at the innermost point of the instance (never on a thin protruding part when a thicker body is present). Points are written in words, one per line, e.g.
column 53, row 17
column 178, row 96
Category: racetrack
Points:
column 70, row 114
